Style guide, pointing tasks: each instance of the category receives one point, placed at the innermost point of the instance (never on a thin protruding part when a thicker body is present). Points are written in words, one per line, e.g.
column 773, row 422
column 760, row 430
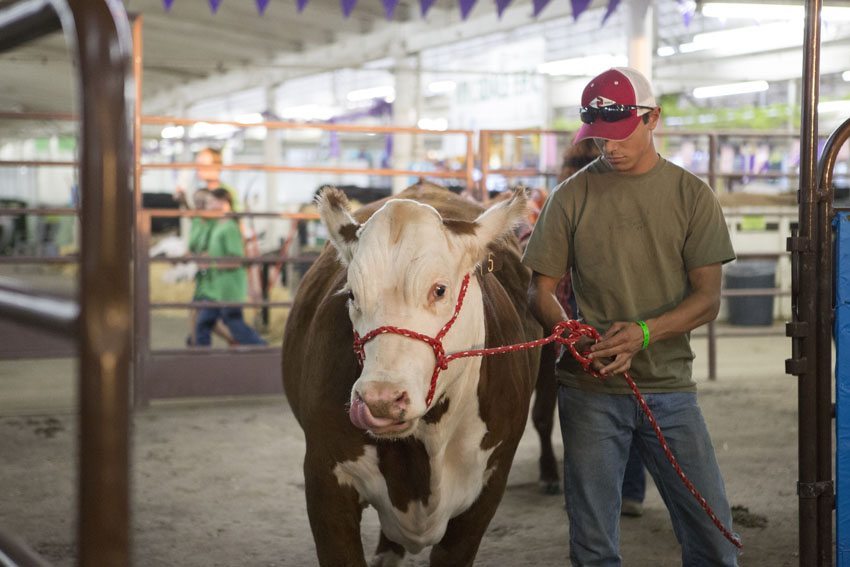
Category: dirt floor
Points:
column 219, row 483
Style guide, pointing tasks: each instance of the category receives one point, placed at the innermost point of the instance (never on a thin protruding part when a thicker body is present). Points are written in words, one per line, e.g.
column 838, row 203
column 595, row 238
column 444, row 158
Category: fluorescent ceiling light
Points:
column 747, row 39
column 433, row 124
column 731, row 89
column 846, row 76
column 250, row 118
column 172, row 132
column 587, row 66
column 441, row 87
column 666, row 51
column 730, row 10
column 308, row 112
column 207, row 130
column 358, row 95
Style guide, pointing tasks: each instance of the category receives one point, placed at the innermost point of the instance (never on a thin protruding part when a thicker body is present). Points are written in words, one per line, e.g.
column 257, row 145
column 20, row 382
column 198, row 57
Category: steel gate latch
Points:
column 815, row 489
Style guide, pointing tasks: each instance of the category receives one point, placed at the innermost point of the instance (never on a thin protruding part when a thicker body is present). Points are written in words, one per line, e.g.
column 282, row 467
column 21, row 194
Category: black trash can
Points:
column 753, row 309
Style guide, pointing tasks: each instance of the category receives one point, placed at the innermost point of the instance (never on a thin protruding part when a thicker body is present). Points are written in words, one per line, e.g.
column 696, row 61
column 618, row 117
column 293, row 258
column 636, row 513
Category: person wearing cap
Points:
column 644, row 240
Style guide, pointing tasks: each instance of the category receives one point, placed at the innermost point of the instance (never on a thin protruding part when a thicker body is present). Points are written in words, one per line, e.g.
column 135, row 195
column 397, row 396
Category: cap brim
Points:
column 616, row 131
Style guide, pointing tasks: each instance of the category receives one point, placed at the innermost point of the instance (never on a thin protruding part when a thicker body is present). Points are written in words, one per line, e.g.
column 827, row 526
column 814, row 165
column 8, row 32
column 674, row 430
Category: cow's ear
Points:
column 342, row 228
column 500, row 219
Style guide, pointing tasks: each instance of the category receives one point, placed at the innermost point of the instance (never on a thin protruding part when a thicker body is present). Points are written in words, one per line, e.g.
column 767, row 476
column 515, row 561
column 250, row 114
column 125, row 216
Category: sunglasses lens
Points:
column 588, row 114
column 614, row 113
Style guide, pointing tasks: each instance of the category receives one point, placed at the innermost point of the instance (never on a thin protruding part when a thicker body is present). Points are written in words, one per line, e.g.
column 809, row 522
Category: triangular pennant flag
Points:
column 347, row 6
column 167, row 4
column 389, row 8
column 465, row 8
column 301, row 4
column 262, row 5
column 579, row 6
column 538, row 6
column 612, row 5
column 687, row 8
column 501, row 5
column 214, row 4
column 425, row 5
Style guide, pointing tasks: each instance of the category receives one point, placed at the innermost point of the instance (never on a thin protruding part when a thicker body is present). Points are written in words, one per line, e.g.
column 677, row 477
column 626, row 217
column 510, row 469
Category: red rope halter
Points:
column 577, row 331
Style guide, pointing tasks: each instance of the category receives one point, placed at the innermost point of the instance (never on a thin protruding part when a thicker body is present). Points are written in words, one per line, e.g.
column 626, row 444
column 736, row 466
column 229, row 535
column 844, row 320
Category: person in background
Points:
column 644, row 276
column 199, row 234
column 222, row 281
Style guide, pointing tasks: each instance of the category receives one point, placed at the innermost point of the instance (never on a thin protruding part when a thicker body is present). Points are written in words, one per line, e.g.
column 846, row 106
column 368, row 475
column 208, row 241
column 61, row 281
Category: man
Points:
column 645, row 241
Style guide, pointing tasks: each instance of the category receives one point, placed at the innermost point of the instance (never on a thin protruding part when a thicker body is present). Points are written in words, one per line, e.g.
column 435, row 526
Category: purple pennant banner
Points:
column 300, row 4
column 579, row 6
column 466, row 8
column 347, row 6
column 501, row 5
column 262, row 5
column 167, row 4
column 539, row 5
column 425, row 5
column 687, row 9
column 389, row 8
column 214, row 4
column 612, row 7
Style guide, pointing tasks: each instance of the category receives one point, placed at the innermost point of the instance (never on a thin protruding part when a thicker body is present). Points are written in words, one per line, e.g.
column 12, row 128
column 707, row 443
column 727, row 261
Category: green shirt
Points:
column 630, row 241
column 224, row 284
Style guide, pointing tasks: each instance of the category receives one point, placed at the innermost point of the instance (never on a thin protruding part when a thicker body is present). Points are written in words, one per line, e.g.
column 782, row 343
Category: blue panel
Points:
column 842, row 388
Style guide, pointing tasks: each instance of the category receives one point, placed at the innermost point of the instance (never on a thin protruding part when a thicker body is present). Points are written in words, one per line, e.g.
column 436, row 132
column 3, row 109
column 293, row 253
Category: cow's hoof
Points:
column 550, row 487
column 386, row 559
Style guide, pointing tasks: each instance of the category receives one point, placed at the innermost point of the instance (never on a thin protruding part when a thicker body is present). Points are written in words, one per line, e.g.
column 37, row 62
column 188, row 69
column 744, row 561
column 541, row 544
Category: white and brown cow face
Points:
column 405, row 269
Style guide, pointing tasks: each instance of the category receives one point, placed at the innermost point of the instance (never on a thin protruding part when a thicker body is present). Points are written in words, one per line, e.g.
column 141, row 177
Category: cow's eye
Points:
column 350, row 295
column 438, row 291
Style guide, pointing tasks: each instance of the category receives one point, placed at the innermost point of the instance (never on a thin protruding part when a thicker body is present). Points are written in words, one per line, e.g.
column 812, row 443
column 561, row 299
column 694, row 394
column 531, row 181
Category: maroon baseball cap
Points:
column 619, row 85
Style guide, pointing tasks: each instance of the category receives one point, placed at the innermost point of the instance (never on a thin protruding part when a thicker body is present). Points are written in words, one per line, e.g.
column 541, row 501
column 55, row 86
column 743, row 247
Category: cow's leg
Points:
column 387, row 554
column 543, row 417
column 464, row 532
column 335, row 512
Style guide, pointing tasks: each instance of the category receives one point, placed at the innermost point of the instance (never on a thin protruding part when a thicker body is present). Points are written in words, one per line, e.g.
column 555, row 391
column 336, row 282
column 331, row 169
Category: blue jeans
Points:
column 634, row 480
column 598, row 430
column 230, row 316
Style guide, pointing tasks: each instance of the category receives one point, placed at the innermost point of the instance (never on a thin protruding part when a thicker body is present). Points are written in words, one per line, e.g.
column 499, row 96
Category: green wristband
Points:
column 645, row 329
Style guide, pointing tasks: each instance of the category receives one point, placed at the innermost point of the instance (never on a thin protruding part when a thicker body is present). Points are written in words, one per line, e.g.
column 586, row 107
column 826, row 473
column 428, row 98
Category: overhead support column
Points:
column 640, row 30
column 406, row 110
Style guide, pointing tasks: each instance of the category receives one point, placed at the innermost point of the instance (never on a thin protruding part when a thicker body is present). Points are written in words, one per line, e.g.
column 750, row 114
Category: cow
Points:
column 434, row 464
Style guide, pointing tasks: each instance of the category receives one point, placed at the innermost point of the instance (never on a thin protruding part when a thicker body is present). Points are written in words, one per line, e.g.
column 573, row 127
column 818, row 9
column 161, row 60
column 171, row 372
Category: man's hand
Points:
column 622, row 341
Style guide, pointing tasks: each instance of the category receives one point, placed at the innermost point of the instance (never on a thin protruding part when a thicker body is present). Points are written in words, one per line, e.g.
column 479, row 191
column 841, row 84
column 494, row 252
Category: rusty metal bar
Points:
column 812, row 527
column 70, row 259
column 171, row 213
column 54, row 314
column 203, row 304
column 36, row 163
column 57, row 211
column 22, row 22
column 229, row 260
column 61, row 116
column 103, row 58
column 283, row 125
column 470, row 165
column 314, row 169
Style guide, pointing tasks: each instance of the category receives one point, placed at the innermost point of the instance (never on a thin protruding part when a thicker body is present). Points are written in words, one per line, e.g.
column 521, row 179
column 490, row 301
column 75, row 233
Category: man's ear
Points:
column 342, row 228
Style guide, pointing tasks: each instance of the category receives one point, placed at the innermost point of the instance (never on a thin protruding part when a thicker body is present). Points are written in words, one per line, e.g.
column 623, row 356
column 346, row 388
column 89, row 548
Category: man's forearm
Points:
column 697, row 309
column 545, row 307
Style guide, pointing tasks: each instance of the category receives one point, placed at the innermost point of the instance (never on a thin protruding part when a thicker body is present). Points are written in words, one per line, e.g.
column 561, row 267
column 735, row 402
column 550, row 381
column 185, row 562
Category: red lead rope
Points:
column 577, row 331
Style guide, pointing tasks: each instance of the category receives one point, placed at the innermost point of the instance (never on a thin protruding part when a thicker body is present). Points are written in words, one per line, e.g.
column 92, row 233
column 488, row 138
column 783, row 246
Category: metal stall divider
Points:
column 99, row 33
column 170, row 373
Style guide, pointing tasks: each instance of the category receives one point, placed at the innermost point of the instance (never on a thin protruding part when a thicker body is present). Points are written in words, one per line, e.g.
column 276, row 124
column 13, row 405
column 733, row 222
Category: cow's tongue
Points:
column 362, row 418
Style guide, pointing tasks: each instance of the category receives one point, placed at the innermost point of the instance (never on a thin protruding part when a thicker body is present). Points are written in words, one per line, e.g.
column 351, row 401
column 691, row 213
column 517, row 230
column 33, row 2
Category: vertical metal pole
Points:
column 470, row 164
column 102, row 35
column 809, row 527
column 712, row 331
column 484, row 151
column 141, row 312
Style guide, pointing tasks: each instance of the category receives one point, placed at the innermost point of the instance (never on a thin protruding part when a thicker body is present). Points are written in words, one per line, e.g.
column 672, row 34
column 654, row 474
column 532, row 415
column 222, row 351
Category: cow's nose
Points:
column 385, row 400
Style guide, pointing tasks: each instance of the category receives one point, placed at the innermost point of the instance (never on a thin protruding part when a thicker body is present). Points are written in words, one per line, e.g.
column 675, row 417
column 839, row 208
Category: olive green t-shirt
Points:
column 630, row 241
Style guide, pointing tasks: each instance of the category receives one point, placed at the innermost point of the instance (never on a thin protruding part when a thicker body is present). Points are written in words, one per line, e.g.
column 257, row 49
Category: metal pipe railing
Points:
column 99, row 34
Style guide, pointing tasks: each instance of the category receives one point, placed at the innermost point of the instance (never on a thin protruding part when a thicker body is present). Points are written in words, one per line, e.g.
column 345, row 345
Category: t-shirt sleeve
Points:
column 707, row 241
column 547, row 249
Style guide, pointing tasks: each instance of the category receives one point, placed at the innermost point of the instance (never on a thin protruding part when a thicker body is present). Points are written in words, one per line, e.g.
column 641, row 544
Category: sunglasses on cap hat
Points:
column 610, row 113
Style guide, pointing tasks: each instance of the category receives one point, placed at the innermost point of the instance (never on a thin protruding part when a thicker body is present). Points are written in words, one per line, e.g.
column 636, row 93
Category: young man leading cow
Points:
column 645, row 241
